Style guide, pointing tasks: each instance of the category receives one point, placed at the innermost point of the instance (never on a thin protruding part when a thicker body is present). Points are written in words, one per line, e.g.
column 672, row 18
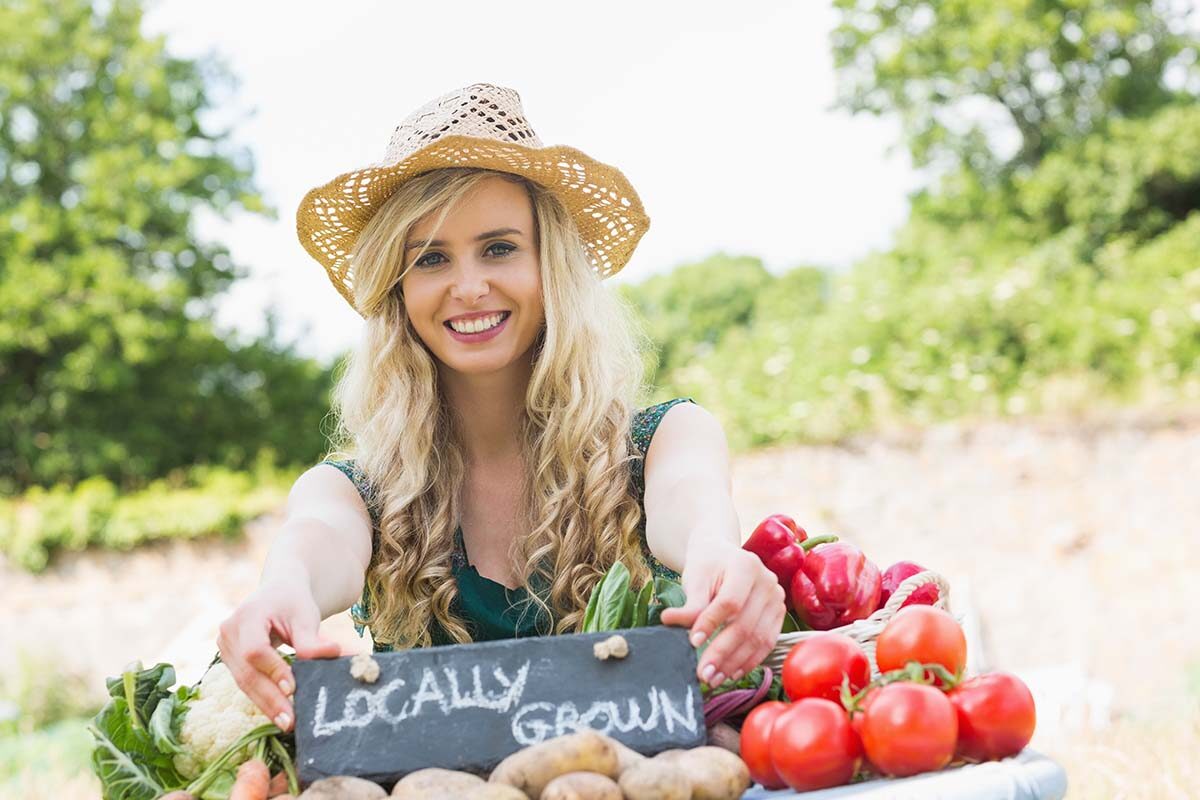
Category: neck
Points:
column 489, row 409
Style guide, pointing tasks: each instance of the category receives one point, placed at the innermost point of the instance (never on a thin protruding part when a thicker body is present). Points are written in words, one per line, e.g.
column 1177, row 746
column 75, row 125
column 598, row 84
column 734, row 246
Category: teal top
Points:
column 491, row 610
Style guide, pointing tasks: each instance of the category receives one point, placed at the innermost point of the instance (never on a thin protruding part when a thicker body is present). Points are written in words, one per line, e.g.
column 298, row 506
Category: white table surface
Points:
column 1028, row 776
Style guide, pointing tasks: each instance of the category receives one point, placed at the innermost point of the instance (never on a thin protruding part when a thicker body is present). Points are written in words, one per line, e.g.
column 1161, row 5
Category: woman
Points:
column 497, row 465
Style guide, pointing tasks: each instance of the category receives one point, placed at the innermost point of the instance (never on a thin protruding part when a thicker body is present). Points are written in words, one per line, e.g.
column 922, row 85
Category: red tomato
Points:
column 921, row 633
column 909, row 728
column 996, row 716
column 813, row 745
column 856, row 721
column 756, row 740
column 815, row 667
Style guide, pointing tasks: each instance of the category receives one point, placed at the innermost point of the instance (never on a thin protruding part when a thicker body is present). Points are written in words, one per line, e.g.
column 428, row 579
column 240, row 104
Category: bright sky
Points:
column 718, row 117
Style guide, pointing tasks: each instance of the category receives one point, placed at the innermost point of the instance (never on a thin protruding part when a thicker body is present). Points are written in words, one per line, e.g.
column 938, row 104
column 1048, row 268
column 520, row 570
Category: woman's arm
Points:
column 325, row 540
column 315, row 568
column 692, row 527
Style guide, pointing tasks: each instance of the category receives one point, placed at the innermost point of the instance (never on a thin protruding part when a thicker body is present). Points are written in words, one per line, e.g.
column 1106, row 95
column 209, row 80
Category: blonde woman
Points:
column 492, row 462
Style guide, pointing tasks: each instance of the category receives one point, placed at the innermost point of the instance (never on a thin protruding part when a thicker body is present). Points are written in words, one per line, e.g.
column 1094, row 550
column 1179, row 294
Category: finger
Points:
column 271, row 678
column 697, row 591
column 760, row 626
column 734, row 645
column 310, row 644
column 265, row 694
column 727, row 604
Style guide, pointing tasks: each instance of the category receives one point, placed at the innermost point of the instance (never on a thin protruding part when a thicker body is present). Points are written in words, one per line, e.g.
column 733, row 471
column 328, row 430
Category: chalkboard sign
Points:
column 468, row 706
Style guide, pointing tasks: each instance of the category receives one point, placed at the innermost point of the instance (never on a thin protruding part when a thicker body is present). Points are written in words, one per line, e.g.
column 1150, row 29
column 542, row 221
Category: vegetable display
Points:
column 835, row 586
column 818, row 722
column 918, row 715
column 828, row 583
column 151, row 739
column 776, row 541
column 895, row 575
column 614, row 605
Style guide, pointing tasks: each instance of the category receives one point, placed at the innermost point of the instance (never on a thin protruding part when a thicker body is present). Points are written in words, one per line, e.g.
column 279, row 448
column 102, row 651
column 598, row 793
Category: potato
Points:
column 343, row 787
column 670, row 756
column 715, row 773
column 432, row 783
column 535, row 766
column 627, row 757
column 178, row 794
column 493, row 791
column 581, row 786
column 656, row 780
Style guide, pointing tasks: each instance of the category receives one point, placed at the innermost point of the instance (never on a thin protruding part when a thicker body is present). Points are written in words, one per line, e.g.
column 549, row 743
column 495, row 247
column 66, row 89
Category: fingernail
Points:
column 697, row 638
column 282, row 720
column 737, row 676
column 285, row 686
column 717, row 680
column 706, row 673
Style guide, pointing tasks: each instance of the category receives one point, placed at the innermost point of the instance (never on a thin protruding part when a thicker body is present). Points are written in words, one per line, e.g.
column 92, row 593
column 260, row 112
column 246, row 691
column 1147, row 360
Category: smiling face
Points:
column 474, row 295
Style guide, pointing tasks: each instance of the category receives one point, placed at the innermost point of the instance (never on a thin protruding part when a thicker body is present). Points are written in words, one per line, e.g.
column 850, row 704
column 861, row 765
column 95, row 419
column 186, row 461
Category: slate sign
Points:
column 468, row 706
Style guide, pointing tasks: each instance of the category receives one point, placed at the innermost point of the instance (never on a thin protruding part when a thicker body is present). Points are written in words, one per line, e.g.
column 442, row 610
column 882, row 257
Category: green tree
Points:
column 109, row 362
column 964, row 75
column 687, row 311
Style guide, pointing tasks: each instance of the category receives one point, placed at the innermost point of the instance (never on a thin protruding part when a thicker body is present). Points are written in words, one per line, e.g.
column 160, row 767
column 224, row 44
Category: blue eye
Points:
column 508, row 248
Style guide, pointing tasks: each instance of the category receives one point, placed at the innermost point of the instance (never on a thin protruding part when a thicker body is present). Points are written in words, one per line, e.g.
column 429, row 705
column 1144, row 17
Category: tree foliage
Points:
column 969, row 78
column 109, row 361
column 1060, row 277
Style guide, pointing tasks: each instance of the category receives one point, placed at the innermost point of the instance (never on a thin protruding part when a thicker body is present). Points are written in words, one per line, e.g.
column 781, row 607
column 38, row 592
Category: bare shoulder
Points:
column 325, row 493
column 686, row 430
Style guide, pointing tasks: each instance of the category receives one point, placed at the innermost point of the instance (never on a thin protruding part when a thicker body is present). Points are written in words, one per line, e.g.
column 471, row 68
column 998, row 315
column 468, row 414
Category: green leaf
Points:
column 791, row 624
column 126, row 760
column 667, row 594
column 641, row 609
column 611, row 604
column 628, row 609
column 589, row 615
column 221, row 786
column 149, row 687
column 134, row 744
column 166, row 719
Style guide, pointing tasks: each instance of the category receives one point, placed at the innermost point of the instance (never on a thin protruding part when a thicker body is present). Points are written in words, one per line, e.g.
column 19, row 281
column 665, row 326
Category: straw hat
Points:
column 477, row 126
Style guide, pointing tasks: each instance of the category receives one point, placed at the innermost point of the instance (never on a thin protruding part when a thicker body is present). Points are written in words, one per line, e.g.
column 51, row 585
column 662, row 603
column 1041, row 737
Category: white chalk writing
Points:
column 363, row 706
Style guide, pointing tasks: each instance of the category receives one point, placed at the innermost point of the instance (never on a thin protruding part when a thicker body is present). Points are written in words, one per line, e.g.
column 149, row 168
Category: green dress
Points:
column 490, row 609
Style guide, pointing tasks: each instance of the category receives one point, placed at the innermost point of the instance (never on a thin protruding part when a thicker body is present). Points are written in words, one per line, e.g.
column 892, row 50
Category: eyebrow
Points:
column 479, row 238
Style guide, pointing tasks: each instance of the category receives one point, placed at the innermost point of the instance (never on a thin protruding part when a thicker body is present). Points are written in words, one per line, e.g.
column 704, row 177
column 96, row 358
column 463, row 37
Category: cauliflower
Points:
column 215, row 719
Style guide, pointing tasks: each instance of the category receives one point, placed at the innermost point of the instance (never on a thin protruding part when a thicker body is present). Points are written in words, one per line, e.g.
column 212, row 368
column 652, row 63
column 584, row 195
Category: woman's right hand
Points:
column 274, row 614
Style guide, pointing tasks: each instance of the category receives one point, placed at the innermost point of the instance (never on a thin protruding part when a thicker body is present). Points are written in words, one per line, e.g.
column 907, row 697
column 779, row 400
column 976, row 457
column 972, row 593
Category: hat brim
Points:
column 604, row 205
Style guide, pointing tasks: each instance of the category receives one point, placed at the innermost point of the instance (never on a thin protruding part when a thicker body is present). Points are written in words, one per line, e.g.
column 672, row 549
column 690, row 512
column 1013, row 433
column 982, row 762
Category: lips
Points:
column 503, row 315
column 481, row 336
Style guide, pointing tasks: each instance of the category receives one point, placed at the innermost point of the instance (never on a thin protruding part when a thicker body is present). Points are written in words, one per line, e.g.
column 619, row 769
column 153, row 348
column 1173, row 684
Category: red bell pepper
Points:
column 897, row 574
column 776, row 541
column 834, row 586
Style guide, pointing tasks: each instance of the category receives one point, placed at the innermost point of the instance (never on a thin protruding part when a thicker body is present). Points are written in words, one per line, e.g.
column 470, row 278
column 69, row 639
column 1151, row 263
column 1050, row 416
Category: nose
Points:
column 469, row 282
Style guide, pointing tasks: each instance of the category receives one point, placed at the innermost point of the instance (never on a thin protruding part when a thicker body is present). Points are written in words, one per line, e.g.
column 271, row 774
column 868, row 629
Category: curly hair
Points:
column 393, row 419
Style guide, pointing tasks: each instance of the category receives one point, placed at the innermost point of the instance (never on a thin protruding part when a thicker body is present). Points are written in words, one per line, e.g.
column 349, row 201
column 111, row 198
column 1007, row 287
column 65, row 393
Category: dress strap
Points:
column 645, row 423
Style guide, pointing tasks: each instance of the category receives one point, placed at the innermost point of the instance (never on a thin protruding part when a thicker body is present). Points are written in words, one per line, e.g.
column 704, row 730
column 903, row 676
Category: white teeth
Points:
column 477, row 325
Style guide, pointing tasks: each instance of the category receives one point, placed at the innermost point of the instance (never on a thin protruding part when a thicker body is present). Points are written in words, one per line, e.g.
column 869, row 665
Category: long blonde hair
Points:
column 393, row 419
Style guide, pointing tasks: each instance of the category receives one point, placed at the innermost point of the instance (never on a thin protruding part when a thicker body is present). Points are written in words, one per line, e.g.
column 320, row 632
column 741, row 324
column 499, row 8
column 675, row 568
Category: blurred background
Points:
column 935, row 265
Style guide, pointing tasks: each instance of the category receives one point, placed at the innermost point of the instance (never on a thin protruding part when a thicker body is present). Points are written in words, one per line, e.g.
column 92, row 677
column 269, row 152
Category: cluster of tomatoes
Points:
column 917, row 716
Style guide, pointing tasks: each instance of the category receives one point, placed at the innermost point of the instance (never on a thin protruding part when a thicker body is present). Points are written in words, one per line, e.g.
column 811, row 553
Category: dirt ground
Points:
column 1074, row 544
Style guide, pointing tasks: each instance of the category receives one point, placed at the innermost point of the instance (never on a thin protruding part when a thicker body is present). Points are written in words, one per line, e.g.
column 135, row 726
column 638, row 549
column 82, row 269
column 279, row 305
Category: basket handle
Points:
column 910, row 585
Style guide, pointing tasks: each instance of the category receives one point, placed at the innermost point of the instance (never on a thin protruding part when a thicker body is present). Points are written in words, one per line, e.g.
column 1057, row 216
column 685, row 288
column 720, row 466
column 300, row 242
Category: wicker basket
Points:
column 865, row 631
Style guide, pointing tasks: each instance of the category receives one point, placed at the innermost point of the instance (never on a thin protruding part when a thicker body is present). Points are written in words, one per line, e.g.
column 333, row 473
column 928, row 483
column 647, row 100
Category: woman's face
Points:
column 475, row 296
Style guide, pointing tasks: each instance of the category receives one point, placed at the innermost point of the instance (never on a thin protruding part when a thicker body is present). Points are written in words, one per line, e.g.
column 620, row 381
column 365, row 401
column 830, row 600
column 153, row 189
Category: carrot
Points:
column 278, row 785
column 253, row 781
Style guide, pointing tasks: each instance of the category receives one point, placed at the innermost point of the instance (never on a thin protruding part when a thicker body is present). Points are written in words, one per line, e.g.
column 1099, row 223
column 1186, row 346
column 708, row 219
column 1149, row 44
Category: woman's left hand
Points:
column 726, row 585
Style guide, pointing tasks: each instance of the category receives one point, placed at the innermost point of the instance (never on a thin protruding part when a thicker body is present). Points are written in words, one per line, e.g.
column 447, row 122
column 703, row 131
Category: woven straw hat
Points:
column 479, row 126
